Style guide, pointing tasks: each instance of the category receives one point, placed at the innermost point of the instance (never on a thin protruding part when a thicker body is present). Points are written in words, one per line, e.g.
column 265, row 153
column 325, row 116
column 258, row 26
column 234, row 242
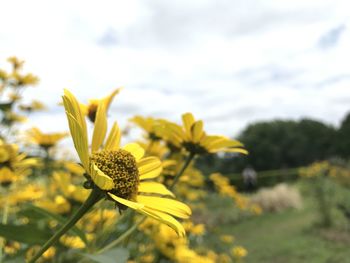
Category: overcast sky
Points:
column 230, row 62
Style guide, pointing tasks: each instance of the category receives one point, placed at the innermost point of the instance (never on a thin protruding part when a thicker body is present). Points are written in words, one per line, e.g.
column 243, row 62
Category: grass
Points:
column 288, row 237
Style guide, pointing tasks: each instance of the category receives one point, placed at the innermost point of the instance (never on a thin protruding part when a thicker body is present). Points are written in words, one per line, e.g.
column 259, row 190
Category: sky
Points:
column 230, row 62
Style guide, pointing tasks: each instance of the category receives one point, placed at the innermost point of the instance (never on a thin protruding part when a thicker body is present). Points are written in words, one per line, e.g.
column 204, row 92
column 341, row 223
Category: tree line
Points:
column 279, row 144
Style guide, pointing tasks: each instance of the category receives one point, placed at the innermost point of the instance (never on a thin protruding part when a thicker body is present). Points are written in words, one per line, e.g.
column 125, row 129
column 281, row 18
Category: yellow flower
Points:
column 122, row 174
column 16, row 162
column 193, row 138
column 59, row 205
column 90, row 109
column 239, row 252
column 7, row 177
column 45, row 140
column 150, row 125
column 16, row 63
column 28, row 193
column 72, row 241
column 35, row 105
column 227, row 238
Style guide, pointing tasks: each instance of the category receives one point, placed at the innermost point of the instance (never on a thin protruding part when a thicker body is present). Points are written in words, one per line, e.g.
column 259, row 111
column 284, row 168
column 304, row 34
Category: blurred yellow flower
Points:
column 193, row 138
column 90, row 109
column 45, row 140
column 72, row 242
column 120, row 173
column 239, row 252
column 227, row 238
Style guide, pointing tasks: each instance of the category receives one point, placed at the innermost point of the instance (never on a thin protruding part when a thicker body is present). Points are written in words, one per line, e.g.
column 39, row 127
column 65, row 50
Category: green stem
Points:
column 182, row 170
column 117, row 241
column 132, row 229
column 93, row 198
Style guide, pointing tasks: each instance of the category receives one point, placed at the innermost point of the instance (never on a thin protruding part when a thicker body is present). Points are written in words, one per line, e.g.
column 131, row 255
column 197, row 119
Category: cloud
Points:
column 331, row 38
column 228, row 62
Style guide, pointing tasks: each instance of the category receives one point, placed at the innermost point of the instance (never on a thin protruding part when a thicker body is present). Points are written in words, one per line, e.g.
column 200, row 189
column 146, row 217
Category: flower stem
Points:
column 182, row 170
column 93, row 198
column 117, row 241
column 132, row 229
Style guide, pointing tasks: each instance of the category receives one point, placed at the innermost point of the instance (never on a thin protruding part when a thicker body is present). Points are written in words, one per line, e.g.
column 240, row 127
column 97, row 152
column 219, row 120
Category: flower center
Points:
column 121, row 166
column 92, row 110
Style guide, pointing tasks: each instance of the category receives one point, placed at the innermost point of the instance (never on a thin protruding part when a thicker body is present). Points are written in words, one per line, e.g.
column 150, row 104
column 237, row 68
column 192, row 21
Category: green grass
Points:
column 289, row 237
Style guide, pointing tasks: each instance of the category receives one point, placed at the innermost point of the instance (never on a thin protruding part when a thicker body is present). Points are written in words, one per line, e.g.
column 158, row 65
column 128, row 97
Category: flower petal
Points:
column 197, row 131
column 113, row 140
column 135, row 149
column 188, row 121
column 165, row 205
column 166, row 219
column 125, row 202
column 100, row 128
column 153, row 187
column 103, row 181
column 149, row 167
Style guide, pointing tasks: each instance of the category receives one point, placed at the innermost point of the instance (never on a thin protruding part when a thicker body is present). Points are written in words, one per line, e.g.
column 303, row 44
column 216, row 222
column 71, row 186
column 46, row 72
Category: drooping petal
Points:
column 103, row 181
column 166, row 219
column 149, row 167
column 153, row 187
column 113, row 140
column 225, row 142
column 165, row 205
column 125, row 202
column 135, row 149
column 100, row 128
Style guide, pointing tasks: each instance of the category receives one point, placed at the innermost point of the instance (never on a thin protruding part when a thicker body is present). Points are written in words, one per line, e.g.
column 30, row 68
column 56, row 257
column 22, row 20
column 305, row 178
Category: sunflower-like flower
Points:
column 150, row 125
column 122, row 174
column 90, row 109
column 12, row 162
column 194, row 139
column 45, row 140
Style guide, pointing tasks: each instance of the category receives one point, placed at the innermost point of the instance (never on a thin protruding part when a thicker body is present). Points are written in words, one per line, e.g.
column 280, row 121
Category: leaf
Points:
column 29, row 234
column 5, row 106
column 34, row 211
column 117, row 255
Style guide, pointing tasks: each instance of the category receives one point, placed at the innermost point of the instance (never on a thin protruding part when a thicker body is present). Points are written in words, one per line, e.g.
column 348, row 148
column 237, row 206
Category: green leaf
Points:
column 5, row 106
column 117, row 255
column 29, row 234
column 34, row 211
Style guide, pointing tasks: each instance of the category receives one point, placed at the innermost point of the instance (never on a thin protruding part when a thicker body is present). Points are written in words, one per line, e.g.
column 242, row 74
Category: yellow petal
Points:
column 231, row 150
column 107, row 100
column 153, row 187
column 125, row 202
column 100, row 128
column 165, row 205
column 135, row 149
column 224, row 142
column 197, row 131
column 113, row 140
column 166, row 219
column 103, row 181
column 149, row 167
column 188, row 121
column 77, row 127
column 79, row 140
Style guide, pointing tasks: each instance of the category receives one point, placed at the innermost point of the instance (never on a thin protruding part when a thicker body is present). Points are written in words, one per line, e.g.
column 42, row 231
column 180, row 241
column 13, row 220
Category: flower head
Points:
column 122, row 174
column 90, row 109
column 194, row 139
column 45, row 140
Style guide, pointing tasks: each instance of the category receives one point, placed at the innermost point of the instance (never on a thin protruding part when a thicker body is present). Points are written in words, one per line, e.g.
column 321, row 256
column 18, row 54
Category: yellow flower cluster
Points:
column 223, row 186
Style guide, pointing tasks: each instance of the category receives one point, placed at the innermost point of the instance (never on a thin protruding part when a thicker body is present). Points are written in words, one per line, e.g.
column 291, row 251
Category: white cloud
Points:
column 229, row 62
